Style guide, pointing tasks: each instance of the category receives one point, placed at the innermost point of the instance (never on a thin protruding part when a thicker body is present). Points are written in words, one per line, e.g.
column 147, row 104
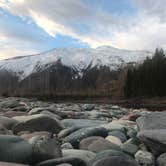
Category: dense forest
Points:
column 149, row 78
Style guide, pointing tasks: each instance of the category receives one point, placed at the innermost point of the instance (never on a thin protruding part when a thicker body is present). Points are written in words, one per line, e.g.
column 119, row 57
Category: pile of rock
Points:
column 48, row 134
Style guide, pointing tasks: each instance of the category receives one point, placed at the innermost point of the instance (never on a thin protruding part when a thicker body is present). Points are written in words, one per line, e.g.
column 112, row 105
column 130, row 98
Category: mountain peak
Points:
column 78, row 59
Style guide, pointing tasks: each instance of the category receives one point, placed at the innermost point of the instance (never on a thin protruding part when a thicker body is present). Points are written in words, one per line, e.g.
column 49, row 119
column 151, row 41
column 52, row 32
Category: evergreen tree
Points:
column 149, row 78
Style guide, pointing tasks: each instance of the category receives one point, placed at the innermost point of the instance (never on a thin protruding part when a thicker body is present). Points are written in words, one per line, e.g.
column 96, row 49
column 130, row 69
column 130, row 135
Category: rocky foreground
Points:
column 48, row 134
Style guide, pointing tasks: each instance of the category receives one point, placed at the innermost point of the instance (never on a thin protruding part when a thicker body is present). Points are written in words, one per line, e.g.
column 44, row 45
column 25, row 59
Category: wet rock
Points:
column 44, row 148
column 115, row 160
column 161, row 160
column 158, row 119
column 28, row 136
column 85, row 155
column 84, row 144
column 144, row 158
column 11, row 114
column 10, row 164
column 37, row 123
column 10, row 103
column 88, row 107
column 20, row 109
column 82, row 123
column 130, row 147
column 69, row 160
column 114, row 126
column 7, row 122
column 66, row 146
column 153, row 134
column 4, row 131
column 80, row 134
column 131, row 133
column 65, row 164
column 132, row 116
column 15, row 149
column 118, row 134
column 65, row 132
column 37, row 110
column 114, row 140
column 51, row 114
column 155, row 140
column 101, row 145
column 109, row 153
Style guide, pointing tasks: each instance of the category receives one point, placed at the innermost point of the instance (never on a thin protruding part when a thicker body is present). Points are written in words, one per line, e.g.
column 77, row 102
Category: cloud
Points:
column 145, row 30
column 153, row 7
column 14, row 46
column 61, row 16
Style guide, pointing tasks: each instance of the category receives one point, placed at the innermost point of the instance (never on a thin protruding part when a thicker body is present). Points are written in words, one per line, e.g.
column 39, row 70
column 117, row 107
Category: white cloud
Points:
column 146, row 30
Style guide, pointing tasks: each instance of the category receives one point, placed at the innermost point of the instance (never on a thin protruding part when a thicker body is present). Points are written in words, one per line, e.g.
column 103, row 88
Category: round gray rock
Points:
column 45, row 147
column 82, row 123
column 80, row 134
column 15, row 149
column 161, row 160
column 69, row 160
column 84, row 144
column 37, row 123
column 115, row 160
column 145, row 158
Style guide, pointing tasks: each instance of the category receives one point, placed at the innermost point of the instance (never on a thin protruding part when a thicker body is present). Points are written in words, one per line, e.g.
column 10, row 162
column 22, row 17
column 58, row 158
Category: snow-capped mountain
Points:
column 68, row 71
column 76, row 58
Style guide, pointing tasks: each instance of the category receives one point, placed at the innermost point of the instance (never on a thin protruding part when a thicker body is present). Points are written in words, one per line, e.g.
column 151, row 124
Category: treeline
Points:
column 149, row 78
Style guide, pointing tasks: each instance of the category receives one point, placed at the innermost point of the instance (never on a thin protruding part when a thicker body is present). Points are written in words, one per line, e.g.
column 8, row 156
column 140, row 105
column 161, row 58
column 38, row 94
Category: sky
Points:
column 33, row 26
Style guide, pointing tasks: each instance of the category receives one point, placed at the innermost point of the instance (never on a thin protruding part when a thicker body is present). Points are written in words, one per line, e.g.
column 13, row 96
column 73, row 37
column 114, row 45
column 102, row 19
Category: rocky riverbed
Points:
column 40, row 133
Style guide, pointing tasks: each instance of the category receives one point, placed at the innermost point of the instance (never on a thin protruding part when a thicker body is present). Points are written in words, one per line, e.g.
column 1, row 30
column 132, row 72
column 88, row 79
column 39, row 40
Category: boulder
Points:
column 65, row 132
column 37, row 123
column 28, row 136
column 10, row 103
column 114, row 140
column 114, row 126
column 65, row 164
column 130, row 146
column 115, row 160
column 69, row 160
column 85, row 155
column 132, row 117
column 50, row 114
column 66, row 146
column 45, row 147
column 161, row 160
column 11, row 114
column 158, row 119
column 131, row 133
column 109, row 153
column 15, row 149
column 82, row 123
column 7, row 122
column 101, row 145
column 10, row 164
column 145, row 158
column 118, row 134
column 4, row 131
column 88, row 107
column 155, row 140
column 77, row 136
column 37, row 110
column 84, row 144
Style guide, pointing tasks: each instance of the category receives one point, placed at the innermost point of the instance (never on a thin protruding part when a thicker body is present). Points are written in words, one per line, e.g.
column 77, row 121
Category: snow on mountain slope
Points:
column 77, row 58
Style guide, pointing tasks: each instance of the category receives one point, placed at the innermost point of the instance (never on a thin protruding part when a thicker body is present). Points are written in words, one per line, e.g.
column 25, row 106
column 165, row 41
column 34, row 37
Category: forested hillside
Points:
column 149, row 78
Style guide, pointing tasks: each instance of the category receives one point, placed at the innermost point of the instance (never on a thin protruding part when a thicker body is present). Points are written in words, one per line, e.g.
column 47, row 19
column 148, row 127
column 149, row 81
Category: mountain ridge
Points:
column 78, row 59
